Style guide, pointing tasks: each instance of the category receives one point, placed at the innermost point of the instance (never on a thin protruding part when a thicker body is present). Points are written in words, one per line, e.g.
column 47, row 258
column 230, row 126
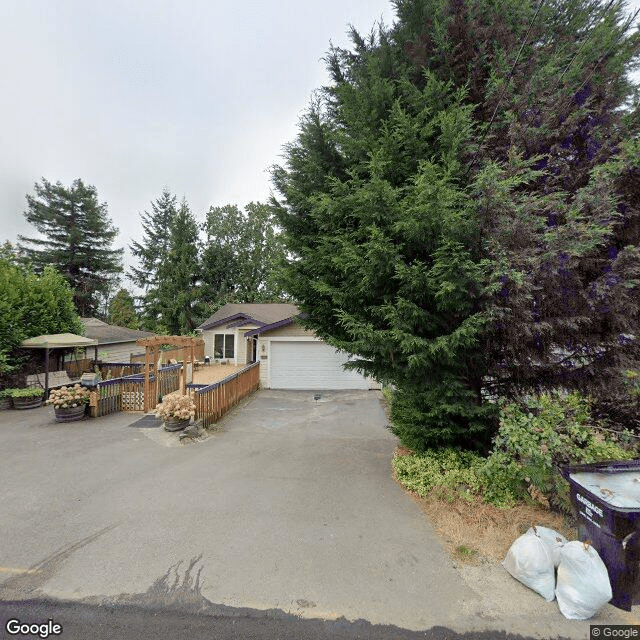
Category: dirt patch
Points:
column 214, row 372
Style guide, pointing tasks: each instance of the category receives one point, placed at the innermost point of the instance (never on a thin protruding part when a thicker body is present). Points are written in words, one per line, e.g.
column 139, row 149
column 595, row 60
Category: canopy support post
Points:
column 46, row 372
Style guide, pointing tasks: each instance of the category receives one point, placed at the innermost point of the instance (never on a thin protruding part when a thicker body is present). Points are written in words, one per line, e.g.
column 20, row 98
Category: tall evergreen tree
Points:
column 459, row 205
column 220, row 267
column 178, row 280
column 153, row 254
column 78, row 238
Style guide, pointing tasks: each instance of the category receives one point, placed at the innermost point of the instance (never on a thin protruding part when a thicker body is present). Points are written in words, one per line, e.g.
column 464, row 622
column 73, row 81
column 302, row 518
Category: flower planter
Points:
column 27, row 402
column 69, row 414
column 5, row 403
column 176, row 424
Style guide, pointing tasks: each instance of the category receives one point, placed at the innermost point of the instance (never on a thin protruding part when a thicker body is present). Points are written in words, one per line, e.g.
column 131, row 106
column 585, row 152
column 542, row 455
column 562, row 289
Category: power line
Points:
column 504, row 88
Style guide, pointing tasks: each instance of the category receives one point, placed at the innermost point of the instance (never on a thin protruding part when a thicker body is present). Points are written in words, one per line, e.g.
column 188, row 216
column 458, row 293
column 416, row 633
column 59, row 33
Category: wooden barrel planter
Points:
column 69, row 414
column 176, row 424
column 5, row 403
column 27, row 402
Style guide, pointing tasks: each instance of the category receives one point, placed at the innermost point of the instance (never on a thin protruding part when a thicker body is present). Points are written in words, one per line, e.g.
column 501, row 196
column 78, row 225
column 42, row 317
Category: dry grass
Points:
column 474, row 531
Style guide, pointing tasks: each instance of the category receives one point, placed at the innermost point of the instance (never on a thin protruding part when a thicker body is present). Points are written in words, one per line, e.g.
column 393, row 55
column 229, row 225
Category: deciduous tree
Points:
column 122, row 310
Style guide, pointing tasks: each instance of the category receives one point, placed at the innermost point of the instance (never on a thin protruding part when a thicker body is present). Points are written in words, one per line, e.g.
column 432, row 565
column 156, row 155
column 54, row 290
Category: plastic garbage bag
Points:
column 553, row 540
column 530, row 561
column 583, row 586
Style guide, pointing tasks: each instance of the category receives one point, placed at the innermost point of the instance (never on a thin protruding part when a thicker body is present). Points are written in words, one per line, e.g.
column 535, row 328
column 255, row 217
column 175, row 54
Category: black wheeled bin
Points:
column 606, row 497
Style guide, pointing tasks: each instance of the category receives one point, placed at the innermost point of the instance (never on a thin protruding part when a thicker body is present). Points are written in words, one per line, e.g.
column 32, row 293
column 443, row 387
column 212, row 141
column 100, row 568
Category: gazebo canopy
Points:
column 58, row 341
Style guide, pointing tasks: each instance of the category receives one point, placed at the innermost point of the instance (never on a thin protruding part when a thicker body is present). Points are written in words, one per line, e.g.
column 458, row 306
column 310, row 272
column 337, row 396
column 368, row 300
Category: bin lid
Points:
column 619, row 489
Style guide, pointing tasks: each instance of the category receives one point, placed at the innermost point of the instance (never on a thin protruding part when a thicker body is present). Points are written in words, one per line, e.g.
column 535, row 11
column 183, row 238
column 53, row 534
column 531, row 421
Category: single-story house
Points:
column 290, row 356
column 115, row 344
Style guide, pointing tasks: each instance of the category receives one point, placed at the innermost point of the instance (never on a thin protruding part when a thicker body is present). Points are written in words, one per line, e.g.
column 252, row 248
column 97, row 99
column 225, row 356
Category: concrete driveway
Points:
column 290, row 506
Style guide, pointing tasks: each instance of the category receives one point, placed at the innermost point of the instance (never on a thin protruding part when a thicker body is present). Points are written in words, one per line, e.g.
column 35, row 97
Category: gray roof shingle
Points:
column 267, row 313
column 108, row 334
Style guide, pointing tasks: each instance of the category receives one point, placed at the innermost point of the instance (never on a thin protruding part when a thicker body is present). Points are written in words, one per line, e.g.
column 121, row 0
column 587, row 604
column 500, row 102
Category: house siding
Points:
column 239, row 343
column 294, row 330
column 118, row 352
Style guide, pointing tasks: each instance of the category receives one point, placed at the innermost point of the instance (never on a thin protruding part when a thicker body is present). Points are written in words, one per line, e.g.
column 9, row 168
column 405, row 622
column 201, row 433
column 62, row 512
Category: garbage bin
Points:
column 606, row 497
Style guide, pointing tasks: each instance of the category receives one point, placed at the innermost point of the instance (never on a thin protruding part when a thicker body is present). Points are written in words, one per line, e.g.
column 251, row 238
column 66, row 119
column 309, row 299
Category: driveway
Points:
column 290, row 506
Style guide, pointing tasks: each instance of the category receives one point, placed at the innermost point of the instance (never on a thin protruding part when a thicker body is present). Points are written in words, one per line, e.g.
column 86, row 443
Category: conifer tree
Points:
column 459, row 206
column 78, row 238
column 178, row 279
column 153, row 254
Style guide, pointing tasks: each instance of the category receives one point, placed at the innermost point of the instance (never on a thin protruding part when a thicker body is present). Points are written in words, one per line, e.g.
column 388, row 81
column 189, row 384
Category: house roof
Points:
column 110, row 334
column 269, row 327
column 260, row 314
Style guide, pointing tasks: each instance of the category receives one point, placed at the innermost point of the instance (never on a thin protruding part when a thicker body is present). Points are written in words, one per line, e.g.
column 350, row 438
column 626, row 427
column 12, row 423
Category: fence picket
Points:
column 214, row 400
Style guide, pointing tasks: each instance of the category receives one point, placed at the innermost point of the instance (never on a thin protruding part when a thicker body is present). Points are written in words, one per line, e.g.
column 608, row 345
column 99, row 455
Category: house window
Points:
column 223, row 345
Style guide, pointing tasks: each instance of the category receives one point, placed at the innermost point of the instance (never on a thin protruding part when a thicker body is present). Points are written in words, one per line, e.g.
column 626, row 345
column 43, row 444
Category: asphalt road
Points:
column 77, row 621
column 289, row 513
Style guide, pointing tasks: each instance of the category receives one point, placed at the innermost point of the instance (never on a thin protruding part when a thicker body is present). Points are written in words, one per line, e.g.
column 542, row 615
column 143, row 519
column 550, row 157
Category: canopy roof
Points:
column 58, row 341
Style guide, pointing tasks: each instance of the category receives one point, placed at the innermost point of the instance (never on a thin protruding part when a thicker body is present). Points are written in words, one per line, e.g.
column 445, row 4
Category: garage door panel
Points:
column 311, row 365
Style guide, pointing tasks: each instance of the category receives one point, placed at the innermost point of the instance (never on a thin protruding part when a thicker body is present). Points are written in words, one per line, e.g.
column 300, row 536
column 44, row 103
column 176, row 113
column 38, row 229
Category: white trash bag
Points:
column 530, row 561
column 553, row 540
column 583, row 586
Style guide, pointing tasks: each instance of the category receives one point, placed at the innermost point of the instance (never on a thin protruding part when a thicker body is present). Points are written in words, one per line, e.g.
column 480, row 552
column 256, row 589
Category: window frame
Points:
column 227, row 343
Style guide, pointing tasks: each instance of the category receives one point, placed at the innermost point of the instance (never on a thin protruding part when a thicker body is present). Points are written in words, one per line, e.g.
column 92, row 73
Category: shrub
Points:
column 67, row 397
column 175, row 406
column 524, row 464
column 27, row 392
column 447, row 416
column 532, row 445
column 6, row 393
column 440, row 473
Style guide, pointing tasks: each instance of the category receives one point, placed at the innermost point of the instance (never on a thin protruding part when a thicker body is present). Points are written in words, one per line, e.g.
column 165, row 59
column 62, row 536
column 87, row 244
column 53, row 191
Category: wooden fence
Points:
column 173, row 354
column 117, row 394
column 110, row 370
column 127, row 393
column 168, row 380
column 214, row 400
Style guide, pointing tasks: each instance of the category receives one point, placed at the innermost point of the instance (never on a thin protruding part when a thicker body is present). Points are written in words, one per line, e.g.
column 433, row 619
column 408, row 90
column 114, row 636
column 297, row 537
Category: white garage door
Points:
column 311, row 365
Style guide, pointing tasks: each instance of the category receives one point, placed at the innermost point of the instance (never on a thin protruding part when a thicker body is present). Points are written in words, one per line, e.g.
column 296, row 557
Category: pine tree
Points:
column 178, row 280
column 78, row 240
column 459, row 206
column 153, row 253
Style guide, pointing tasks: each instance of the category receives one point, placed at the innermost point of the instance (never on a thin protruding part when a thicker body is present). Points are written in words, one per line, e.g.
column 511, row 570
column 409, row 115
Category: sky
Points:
column 195, row 95
column 199, row 96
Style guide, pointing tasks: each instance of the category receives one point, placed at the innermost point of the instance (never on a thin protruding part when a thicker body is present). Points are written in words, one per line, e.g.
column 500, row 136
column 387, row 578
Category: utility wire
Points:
column 504, row 88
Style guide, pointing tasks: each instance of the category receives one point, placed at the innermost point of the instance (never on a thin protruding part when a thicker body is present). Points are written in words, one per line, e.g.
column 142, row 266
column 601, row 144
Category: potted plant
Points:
column 69, row 403
column 27, row 398
column 5, row 398
column 176, row 411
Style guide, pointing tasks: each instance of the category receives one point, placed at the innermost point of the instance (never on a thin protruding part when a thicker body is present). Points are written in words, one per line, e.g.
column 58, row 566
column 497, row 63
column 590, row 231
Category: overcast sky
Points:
column 132, row 96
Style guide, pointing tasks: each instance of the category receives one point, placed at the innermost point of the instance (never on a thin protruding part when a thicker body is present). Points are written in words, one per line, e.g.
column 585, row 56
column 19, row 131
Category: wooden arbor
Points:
column 152, row 347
